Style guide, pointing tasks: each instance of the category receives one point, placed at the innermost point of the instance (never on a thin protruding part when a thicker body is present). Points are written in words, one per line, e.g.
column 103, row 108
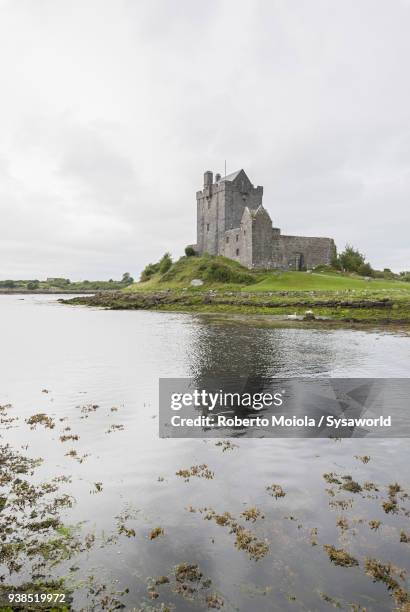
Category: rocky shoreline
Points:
column 285, row 305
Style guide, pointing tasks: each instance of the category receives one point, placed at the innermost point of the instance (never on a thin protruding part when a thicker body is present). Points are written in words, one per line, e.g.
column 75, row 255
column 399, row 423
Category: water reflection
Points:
column 114, row 359
column 251, row 352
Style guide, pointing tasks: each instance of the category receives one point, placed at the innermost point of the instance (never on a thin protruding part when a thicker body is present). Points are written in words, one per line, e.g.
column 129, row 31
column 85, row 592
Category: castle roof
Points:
column 231, row 177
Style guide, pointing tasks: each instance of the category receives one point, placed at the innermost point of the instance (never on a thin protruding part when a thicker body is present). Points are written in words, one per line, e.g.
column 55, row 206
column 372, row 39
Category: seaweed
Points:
column 252, row 514
column 275, row 491
column 363, row 458
column 404, row 537
column 40, row 419
column 66, row 437
column 156, row 532
column 214, row 601
column 338, row 556
column 226, row 445
column 198, row 471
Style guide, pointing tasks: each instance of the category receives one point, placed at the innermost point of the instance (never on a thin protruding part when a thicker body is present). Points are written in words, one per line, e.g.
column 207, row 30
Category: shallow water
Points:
column 114, row 359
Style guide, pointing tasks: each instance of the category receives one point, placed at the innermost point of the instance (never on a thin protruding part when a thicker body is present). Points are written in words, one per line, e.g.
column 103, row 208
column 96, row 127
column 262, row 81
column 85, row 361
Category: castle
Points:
column 232, row 221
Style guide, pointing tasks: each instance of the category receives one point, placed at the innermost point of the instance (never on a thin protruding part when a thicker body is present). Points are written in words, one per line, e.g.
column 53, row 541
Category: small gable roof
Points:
column 234, row 175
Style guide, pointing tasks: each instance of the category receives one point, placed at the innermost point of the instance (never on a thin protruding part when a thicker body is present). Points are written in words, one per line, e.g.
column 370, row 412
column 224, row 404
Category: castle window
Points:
column 244, row 232
column 207, row 227
column 237, row 237
column 209, row 204
column 237, row 251
column 227, row 239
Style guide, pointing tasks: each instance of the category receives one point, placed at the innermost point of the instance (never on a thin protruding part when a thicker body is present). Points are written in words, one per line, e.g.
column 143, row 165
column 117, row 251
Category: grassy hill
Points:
column 220, row 273
column 334, row 298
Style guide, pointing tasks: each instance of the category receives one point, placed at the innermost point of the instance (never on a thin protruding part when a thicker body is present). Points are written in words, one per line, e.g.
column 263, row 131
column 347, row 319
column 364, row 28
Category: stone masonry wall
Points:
column 262, row 254
column 315, row 251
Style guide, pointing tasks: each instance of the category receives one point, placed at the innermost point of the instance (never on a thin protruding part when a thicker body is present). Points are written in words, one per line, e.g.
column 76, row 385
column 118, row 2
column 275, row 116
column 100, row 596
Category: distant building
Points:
column 232, row 221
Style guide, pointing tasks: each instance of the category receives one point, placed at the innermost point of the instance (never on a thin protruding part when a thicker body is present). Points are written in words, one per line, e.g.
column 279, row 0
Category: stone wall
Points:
column 262, row 255
column 313, row 251
column 220, row 206
column 233, row 247
column 210, row 219
column 239, row 195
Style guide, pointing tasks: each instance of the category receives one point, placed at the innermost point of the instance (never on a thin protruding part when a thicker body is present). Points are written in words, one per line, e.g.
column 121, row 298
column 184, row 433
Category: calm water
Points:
column 114, row 359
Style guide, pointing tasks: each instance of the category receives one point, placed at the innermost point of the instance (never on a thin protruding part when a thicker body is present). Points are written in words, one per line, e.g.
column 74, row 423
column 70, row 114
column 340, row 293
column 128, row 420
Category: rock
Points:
column 197, row 282
column 309, row 316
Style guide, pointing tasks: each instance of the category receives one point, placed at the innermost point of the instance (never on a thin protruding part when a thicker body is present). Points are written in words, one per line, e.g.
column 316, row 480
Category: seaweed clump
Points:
column 387, row 573
column 252, row 514
column 40, row 419
column 156, row 532
column 338, row 556
column 275, row 491
column 351, row 485
column 391, row 504
column 404, row 537
column 198, row 471
column 244, row 538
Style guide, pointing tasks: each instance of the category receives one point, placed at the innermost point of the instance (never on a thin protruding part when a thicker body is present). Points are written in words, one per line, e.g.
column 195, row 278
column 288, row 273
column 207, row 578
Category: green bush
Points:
column 165, row 263
column 388, row 274
column 33, row 285
column 365, row 269
column 335, row 262
column 351, row 259
column 219, row 272
column 149, row 271
column 127, row 278
column 190, row 251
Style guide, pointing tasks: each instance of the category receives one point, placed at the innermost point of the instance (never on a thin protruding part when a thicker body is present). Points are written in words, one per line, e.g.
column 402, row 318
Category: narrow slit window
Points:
column 237, row 251
column 207, row 227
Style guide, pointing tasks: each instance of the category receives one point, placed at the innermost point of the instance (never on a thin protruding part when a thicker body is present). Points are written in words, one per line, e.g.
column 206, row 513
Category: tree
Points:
column 33, row 285
column 365, row 269
column 190, row 251
column 387, row 273
column 335, row 263
column 165, row 263
column 149, row 271
column 127, row 278
column 351, row 259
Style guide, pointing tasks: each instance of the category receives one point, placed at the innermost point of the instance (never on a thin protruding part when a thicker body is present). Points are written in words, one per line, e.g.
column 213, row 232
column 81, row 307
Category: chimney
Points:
column 217, row 177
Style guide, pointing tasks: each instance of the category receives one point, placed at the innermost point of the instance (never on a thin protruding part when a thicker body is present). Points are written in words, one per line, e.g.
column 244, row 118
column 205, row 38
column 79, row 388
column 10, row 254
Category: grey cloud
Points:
column 114, row 110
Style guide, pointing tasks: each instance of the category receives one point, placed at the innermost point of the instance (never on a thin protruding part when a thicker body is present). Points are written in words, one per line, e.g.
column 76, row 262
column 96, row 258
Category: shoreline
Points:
column 282, row 308
column 45, row 292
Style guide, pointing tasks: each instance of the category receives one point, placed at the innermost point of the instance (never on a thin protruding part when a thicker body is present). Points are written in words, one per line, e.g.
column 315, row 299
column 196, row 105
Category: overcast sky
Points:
column 111, row 110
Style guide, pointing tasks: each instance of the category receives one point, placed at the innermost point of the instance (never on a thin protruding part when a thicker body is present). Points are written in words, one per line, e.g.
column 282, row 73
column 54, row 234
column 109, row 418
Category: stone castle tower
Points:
column 232, row 221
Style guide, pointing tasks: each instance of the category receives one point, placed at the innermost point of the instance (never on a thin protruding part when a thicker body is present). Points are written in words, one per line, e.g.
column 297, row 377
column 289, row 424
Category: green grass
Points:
column 303, row 281
column 342, row 298
column 220, row 273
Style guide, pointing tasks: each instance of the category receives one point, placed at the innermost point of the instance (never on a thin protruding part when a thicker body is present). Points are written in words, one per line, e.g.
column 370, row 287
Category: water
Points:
column 114, row 359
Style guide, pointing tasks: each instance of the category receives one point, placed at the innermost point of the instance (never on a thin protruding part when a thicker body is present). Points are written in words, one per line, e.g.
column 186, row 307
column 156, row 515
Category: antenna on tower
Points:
column 225, row 168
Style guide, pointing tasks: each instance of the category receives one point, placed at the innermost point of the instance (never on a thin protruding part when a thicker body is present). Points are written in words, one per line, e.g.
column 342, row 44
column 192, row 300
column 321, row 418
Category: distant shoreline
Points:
column 45, row 292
